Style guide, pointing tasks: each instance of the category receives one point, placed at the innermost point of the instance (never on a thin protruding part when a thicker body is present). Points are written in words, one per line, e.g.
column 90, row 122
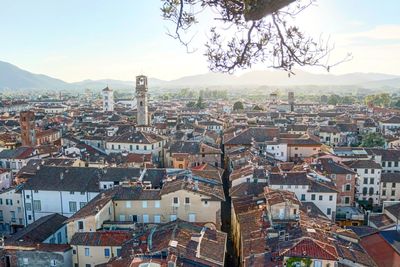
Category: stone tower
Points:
column 141, row 96
column 108, row 100
column 291, row 100
column 28, row 129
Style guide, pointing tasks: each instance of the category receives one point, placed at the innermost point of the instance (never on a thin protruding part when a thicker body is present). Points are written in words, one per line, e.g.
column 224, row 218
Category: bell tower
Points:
column 141, row 96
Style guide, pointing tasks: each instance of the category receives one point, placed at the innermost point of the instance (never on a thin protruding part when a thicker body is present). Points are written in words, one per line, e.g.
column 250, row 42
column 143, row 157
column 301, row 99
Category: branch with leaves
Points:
column 249, row 32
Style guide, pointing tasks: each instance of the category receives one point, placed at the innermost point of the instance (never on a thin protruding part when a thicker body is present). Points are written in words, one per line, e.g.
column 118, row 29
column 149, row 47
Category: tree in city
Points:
column 200, row 104
column 380, row 100
column 257, row 108
column 248, row 32
column 238, row 106
column 373, row 140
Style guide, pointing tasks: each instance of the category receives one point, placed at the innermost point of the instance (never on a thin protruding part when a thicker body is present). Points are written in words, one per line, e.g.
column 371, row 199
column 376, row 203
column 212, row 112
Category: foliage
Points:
column 379, row 100
column 291, row 262
column 373, row 140
column 247, row 32
column 191, row 104
column 238, row 106
column 257, row 107
column 338, row 100
column 200, row 104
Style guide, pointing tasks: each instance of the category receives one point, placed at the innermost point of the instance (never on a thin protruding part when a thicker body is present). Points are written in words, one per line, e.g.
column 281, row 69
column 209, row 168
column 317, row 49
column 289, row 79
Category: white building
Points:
column 11, row 211
column 108, row 100
column 368, row 181
column 62, row 190
column 306, row 190
column 138, row 142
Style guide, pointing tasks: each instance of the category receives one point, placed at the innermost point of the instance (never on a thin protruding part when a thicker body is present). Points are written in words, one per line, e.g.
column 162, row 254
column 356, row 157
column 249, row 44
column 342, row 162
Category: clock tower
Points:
column 141, row 96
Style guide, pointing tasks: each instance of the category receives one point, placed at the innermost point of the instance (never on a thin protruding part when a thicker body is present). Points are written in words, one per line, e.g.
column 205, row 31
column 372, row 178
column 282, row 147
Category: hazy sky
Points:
column 95, row 39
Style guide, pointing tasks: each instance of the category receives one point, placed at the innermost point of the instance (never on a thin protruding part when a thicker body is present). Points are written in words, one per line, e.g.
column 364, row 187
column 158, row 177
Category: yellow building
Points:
column 93, row 248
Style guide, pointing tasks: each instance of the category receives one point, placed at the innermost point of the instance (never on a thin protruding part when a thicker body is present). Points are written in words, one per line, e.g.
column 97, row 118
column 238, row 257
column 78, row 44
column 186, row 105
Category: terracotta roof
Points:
column 100, row 238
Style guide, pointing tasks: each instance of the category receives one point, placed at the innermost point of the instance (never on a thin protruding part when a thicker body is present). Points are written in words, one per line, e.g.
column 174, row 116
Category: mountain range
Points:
column 13, row 78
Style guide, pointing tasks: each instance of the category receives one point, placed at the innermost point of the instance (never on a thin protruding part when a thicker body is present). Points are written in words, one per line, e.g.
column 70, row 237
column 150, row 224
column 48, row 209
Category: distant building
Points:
column 291, row 100
column 28, row 131
column 108, row 100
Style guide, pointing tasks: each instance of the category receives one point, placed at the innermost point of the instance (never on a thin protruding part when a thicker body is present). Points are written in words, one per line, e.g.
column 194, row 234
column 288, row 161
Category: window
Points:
column 82, row 193
column 383, row 163
column 137, row 147
column 157, row 204
column 72, row 206
column 348, row 187
column 396, row 164
column 144, row 204
column 128, row 204
column 25, row 261
column 118, row 252
column 383, row 192
column 80, row 225
column 371, row 191
column 88, row 265
column 1, row 201
column 87, row 252
column 59, row 238
column 176, row 201
column 145, row 218
column 313, row 197
column 348, row 176
column 393, row 192
column 371, row 180
column 372, row 171
column 145, row 147
column 330, row 198
column 384, row 184
column 320, row 197
column 205, row 203
column 303, row 197
column 333, row 176
column 157, row 218
column 365, row 180
column 365, row 191
column 106, row 252
column 37, row 205
column 72, row 192
column 389, row 164
column 192, row 217
column 328, row 211
column 82, row 204
column 366, row 171
column 187, row 201
column 173, row 217
column 74, row 251
column 28, row 206
column 347, row 200
column 393, row 184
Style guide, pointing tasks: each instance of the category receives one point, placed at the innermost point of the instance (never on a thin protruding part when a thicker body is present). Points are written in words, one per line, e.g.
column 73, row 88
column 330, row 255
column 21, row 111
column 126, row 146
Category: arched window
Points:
column 371, row 191
column 365, row 191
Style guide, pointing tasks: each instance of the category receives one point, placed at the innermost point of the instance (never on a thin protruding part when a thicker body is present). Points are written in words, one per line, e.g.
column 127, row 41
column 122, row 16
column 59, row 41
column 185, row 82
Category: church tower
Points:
column 108, row 100
column 141, row 96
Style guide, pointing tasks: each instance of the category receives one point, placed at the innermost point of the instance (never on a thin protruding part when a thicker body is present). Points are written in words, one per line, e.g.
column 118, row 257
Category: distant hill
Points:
column 14, row 78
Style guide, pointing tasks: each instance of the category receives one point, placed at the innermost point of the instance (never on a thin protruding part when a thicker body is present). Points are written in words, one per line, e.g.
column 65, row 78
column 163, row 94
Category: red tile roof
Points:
column 313, row 249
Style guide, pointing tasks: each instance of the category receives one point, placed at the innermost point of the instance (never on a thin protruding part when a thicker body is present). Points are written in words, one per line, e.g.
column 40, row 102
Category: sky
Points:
column 75, row 40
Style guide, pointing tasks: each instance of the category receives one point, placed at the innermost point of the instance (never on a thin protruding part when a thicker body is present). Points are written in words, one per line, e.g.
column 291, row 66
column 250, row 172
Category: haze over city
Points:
column 182, row 133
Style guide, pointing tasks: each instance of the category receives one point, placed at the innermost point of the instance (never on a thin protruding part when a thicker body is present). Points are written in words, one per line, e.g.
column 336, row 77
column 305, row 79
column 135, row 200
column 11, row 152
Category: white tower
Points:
column 108, row 99
column 141, row 96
